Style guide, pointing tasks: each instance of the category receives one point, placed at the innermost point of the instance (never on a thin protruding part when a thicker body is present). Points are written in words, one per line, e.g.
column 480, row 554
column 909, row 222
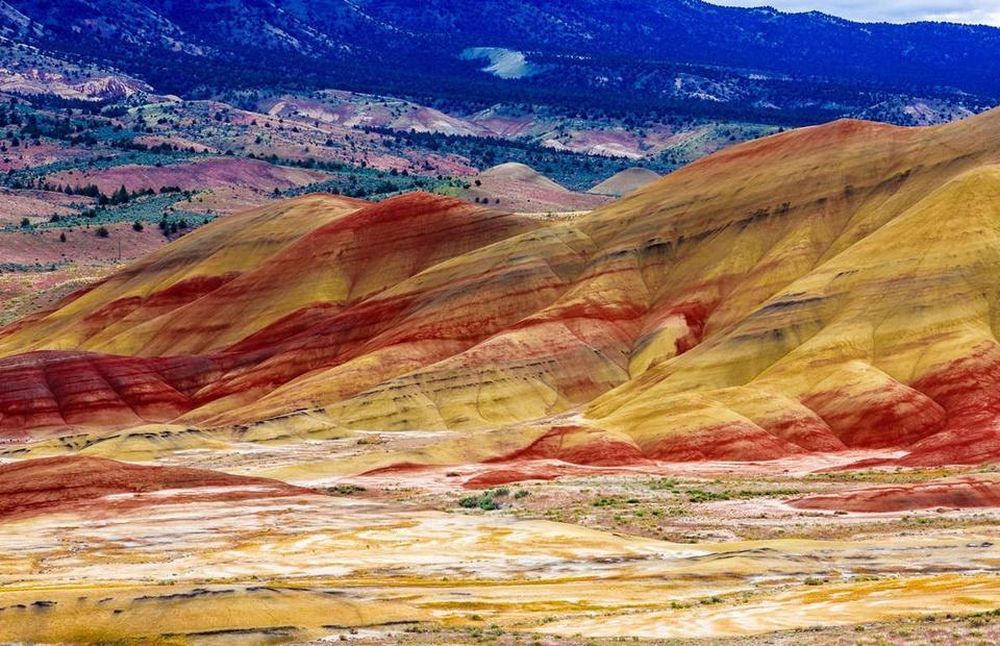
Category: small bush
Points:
column 346, row 489
column 485, row 501
column 667, row 484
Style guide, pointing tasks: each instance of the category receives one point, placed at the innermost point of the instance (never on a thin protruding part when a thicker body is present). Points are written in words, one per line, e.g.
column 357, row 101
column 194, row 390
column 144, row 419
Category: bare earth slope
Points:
column 78, row 484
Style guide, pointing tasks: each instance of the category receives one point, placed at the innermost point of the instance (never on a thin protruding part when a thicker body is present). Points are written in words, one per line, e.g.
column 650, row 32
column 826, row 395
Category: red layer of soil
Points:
column 398, row 238
column 78, row 483
column 960, row 492
column 578, row 445
column 499, row 477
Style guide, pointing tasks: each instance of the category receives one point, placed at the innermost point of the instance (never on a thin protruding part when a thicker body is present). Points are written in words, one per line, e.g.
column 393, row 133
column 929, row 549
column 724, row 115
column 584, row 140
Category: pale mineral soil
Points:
column 979, row 629
column 677, row 502
column 597, row 556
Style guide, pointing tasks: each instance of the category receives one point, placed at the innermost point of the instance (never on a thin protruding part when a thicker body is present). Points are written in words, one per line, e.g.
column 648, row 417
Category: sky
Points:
column 986, row 12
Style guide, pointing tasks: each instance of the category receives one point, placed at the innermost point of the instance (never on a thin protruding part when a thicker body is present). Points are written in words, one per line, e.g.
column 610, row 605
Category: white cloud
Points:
column 985, row 12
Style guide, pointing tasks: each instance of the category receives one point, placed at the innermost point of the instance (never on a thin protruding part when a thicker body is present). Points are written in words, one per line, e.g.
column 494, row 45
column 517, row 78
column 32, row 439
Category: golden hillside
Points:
column 824, row 288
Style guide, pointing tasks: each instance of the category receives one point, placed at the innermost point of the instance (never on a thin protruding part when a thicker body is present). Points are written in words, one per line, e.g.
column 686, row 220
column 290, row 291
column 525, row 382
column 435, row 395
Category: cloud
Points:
column 985, row 12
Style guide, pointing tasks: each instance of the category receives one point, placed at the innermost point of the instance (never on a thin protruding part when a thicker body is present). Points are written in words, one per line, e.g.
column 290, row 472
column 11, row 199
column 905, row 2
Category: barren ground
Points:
column 712, row 550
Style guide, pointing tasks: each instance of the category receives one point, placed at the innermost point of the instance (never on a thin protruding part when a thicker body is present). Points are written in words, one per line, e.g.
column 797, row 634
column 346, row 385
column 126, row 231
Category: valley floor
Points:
column 713, row 551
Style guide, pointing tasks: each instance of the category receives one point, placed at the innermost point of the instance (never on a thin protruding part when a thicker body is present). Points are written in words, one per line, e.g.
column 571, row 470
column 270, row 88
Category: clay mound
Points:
column 578, row 445
column 331, row 270
column 364, row 110
column 288, row 290
column 959, row 492
column 77, row 483
column 63, row 390
column 625, row 182
column 33, row 204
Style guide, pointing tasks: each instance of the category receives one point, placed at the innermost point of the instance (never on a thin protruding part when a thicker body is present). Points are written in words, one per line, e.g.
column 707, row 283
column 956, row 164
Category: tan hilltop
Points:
column 520, row 188
column 625, row 182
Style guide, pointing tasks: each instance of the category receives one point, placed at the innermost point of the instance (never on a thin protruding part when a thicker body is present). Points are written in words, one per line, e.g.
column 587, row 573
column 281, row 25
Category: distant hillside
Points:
column 680, row 54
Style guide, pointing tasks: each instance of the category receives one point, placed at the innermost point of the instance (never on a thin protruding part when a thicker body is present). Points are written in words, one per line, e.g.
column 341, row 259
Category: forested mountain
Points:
column 803, row 67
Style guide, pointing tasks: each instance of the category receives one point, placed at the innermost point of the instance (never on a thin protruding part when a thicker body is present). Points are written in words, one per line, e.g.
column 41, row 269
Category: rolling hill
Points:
column 824, row 289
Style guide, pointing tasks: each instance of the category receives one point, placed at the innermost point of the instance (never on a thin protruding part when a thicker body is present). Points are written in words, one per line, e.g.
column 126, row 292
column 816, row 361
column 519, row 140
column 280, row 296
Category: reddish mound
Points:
column 36, row 205
column 506, row 476
column 960, row 492
column 967, row 390
column 59, row 389
column 80, row 483
column 578, row 445
column 301, row 309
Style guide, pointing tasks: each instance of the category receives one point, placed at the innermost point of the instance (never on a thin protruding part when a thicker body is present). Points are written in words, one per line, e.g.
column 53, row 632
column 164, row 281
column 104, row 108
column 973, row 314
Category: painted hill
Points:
column 623, row 183
column 519, row 187
column 827, row 288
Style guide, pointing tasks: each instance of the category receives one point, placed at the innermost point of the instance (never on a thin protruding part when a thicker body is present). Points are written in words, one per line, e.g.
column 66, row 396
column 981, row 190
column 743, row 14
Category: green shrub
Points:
column 485, row 501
